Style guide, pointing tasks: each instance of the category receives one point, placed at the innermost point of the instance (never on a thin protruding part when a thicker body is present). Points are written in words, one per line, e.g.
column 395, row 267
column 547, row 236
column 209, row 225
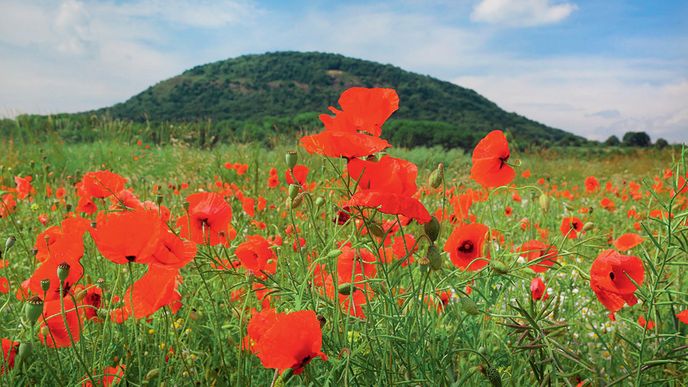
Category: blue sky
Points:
column 594, row 68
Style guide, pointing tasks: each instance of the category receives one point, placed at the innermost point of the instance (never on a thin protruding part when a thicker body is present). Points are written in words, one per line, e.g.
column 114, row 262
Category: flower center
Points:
column 466, row 247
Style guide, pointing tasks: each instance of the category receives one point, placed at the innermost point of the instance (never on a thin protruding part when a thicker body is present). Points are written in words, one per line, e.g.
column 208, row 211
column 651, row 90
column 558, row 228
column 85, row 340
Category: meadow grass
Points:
column 410, row 336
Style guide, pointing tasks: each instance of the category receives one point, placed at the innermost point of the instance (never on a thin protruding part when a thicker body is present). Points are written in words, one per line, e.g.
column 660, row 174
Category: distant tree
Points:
column 661, row 143
column 640, row 139
column 612, row 141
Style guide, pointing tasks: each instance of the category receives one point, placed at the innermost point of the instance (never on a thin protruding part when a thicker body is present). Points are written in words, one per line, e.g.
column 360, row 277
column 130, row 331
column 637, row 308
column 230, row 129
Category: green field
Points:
column 410, row 335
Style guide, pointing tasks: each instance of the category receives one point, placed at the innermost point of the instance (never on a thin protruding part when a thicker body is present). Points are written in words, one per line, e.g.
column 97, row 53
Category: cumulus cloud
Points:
column 521, row 13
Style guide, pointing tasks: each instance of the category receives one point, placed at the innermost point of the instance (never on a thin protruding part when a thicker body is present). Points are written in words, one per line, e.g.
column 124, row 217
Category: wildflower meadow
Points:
column 340, row 260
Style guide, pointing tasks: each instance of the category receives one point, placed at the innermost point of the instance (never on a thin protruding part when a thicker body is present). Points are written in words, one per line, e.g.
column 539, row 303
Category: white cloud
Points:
column 521, row 13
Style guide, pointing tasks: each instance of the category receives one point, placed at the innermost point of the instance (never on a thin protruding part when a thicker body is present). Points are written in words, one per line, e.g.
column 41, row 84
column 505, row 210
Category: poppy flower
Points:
column 102, row 184
column 489, row 161
column 570, row 227
column 24, row 187
column 537, row 288
column 291, row 342
column 628, row 241
column 355, row 130
column 156, row 289
column 297, row 175
column 173, row 251
column 609, row 279
column 111, row 376
column 64, row 242
column 4, row 285
column 130, row 236
column 256, row 256
column 466, row 245
column 649, row 325
column 9, row 353
column 48, row 271
column 591, row 184
column 92, row 300
column 683, row 316
column 545, row 255
column 59, row 332
column 259, row 323
column 387, row 185
column 207, row 220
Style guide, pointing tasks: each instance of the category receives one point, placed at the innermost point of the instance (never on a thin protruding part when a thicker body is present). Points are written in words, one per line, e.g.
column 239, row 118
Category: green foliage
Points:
column 641, row 139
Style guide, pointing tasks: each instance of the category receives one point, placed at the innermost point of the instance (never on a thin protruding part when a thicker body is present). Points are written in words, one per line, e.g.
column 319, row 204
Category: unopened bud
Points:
column 293, row 191
column 376, row 230
column 469, row 306
column 33, row 309
column 346, row 289
column 334, row 254
column 10, row 242
column 24, row 353
column 499, row 267
column 296, row 202
column 80, row 295
column 544, row 202
column 158, row 199
column 588, row 226
column 319, row 202
column 432, row 229
column 194, row 315
column 292, row 158
column 434, row 257
column 152, row 374
column 63, row 271
column 437, row 176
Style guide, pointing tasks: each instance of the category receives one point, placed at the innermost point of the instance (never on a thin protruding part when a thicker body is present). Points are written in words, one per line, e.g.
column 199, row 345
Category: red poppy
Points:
column 537, row 288
column 591, row 184
column 111, row 376
column 156, row 289
column 609, row 279
column 290, row 342
column 4, row 285
column 388, row 185
column 355, row 130
column 256, row 256
column 545, row 255
column 173, row 251
column 466, row 246
column 48, row 271
column 570, row 227
column 64, row 242
column 91, row 301
column 24, row 187
column 52, row 318
column 208, row 219
column 297, row 175
column 649, row 325
column 628, row 241
column 489, row 161
column 9, row 353
column 130, row 236
column 259, row 323
column 102, row 184
column 683, row 316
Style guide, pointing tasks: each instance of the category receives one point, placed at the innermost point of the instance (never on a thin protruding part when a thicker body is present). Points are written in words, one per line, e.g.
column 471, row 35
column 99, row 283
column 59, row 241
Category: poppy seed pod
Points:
column 10, row 242
column 434, row 257
column 33, row 309
column 293, row 191
column 63, row 271
column 432, row 229
column 544, row 202
column 292, row 158
column 45, row 285
column 319, row 202
column 437, row 176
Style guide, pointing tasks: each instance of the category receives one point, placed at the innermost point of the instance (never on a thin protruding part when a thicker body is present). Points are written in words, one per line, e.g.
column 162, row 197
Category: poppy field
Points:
column 339, row 260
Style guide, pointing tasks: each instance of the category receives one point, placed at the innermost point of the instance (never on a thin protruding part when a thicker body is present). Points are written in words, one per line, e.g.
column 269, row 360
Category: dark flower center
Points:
column 130, row 258
column 611, row 275
column 466, row 247
column 503, row 160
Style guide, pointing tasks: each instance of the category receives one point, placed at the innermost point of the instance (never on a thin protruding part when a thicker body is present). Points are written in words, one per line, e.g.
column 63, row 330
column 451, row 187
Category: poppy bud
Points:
column 568, row 206
column 434, row 257
column 33, row 309
column 376, row 230
column 45, row 285
column 158, row 199
column 152, row 374
column 469, row 306
column 81, row 295
column 68, row 207
column 492, row 375
column 10, row 242
column 293, row 191
column 63, row 271
column 544, row 202
column 319, row 202
column 25, row 350
column 292, row 158
column 499, row 267
column 45, row 331
column 437, row 176
column 588, row 226
column 194, row 315
column 346, row 289
column 432, row 229
column 296, row 202
column 334, row 254
column 322, row 320
column 103, row 314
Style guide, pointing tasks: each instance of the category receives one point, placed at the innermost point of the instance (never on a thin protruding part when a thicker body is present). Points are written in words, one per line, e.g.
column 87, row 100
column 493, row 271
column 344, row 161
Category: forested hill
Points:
column 286, row 90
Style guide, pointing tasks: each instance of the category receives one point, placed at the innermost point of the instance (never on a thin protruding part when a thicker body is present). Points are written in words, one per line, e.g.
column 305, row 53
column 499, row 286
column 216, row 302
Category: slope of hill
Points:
column 285, row 85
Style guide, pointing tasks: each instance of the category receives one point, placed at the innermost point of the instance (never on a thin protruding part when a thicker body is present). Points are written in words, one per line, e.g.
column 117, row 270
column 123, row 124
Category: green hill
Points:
column 287, row 86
